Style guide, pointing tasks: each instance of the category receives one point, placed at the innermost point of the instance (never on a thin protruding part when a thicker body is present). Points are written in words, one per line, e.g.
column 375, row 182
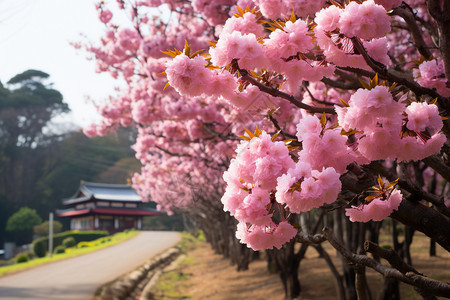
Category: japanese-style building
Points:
column 101, row 206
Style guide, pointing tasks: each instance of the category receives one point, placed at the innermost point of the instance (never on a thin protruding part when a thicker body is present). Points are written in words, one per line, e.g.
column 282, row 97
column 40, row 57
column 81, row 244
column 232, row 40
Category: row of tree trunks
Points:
column 220, row 234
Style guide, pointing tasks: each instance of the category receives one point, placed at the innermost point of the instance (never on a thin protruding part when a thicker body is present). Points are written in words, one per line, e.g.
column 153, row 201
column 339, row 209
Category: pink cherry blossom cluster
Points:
column 104, row 14
column 290, row 49
column 258, row 164
column 376, row 210
column 325, row 147
column 265, row 237
column 303, row 188
column 366, row 20
column 378, row 118
column 244, row 47
column 431, row 74
column 250, row 179
column 336, row 26
column 188, row 76
column 274, row 9
column 263, row 177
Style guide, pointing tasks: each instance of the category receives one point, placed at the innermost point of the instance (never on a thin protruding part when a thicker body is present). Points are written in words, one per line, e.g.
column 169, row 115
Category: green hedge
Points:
column 60, row 249
column 69, row 242
column 40, row 245
column 22, row 257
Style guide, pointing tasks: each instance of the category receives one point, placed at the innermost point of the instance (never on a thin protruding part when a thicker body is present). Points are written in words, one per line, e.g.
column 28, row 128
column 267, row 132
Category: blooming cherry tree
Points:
column 280, row 108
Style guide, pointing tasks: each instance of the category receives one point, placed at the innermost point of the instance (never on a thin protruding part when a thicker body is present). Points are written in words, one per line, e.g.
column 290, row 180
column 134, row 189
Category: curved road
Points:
column 79, row 277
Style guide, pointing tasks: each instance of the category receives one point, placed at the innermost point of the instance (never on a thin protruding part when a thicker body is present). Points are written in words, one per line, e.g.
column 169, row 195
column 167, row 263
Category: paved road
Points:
column 78, row 278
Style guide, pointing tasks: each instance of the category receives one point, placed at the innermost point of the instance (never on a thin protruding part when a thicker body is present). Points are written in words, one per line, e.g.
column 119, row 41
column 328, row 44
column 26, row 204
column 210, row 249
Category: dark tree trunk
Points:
column 291, row 284
column 374, row 233
column 390, row 290
column 349, row 234
column 390, row 286
column 409, row 234
column 349, row 281
column 287, row 264
column 340, row 290
column 243, row 259
column 271, row 262
column 432, row 248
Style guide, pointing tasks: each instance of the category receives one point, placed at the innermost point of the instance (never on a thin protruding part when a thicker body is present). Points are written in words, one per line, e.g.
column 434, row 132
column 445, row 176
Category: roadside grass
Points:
column 80, row 249
column 173, row 283
column 189, row 241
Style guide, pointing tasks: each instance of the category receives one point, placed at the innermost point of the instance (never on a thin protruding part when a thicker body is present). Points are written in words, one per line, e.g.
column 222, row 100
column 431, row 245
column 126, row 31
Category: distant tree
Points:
column 79, row 157
column 40, row 167
column 27, row 105
column 120, row 172
column 21, row 223
column 42, row 229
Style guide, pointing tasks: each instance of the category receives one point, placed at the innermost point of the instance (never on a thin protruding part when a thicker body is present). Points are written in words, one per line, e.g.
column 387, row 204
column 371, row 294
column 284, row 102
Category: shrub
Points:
column 40, row 245
column 386, row 246
column 22, row 257
column 69, row 242
column 83, row 245
column 42, row 229
column 39, row 249
column 60, row 249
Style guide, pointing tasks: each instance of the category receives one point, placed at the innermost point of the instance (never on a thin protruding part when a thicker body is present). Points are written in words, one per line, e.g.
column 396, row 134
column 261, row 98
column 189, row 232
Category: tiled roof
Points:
column 103, row 191
column 108, row 211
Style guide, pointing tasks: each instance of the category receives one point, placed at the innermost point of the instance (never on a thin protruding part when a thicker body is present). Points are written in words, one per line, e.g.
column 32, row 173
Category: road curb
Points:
column 132, row 285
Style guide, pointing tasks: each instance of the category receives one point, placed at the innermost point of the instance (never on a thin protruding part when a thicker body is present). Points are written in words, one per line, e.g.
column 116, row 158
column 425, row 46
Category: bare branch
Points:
column 391, row 256
column 437, row 164
column 405, row 12
column 246, row 77
column 432, row 286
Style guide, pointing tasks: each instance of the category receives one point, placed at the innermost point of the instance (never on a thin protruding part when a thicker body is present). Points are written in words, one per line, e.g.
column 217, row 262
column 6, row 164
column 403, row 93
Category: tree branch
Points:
column 439, row 10
column 246, row 77
column 405, row 12
column 395, row 76
column 429, row 285
column 426, row 220
column 437, row 164
column 391, row 256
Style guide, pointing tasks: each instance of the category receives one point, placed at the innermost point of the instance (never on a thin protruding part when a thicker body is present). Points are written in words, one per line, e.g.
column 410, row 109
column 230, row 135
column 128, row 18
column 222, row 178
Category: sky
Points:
column 36, row 34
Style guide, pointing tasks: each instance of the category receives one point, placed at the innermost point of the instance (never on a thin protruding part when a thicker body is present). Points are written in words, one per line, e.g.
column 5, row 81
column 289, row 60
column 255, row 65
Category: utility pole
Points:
column 50, row 235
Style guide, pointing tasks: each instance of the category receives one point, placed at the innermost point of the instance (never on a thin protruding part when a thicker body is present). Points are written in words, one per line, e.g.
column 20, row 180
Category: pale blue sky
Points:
column 35, row 34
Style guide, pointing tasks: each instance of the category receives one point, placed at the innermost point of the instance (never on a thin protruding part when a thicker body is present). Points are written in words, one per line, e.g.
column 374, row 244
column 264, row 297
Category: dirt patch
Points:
column 209, row 276
column 214, row 278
